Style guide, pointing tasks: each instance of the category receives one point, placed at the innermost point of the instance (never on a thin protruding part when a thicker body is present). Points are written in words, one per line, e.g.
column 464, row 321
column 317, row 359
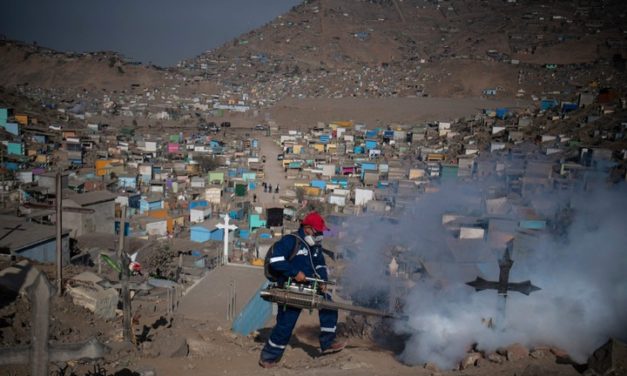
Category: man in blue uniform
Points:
column 307, row 262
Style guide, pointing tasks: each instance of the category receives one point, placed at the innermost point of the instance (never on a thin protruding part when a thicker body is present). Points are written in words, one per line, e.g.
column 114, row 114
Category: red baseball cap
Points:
column 316, row 221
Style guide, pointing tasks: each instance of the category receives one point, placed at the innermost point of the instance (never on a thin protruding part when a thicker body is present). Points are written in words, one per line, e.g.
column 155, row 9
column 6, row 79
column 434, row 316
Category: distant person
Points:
column 270, row 188
column 308, row 262
column 276, row 190
column 254, row 197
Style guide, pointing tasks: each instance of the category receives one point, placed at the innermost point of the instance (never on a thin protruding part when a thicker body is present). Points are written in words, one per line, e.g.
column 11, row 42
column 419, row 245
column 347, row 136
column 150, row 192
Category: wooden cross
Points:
column 40, row 352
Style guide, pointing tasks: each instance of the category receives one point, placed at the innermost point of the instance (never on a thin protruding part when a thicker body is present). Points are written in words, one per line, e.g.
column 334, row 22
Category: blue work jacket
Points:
column 312, row 265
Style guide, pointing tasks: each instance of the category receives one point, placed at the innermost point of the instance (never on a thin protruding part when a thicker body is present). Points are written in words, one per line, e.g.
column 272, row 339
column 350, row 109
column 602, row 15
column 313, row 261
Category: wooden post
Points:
column 59, row 228
column 3, row 188
column 234, row 310
column 126, row 297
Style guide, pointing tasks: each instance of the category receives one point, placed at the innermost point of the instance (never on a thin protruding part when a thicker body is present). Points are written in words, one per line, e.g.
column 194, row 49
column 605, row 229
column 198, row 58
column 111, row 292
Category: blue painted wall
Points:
column 47, row 251
column 199, row 234
column 13, row 128
column 198, row 204
column 147, row 206
column 4, row 115
column 40, row 138
column 202, row 234
column 531, row 224
column 254, row 315
column 371, row 144
column 16, row 148
column 318, row 184
column 127, row 182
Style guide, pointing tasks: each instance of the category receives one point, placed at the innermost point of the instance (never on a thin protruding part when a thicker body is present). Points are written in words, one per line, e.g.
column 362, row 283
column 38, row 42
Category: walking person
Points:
column 308, row 261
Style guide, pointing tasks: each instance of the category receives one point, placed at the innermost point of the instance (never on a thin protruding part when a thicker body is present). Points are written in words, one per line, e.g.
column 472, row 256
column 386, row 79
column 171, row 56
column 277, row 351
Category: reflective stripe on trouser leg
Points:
column 328, row 324
column 285, row 322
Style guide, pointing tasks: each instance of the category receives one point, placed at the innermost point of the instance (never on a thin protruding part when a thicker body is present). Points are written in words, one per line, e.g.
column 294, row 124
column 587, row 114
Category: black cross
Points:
column 503, row 285
column 11, row 230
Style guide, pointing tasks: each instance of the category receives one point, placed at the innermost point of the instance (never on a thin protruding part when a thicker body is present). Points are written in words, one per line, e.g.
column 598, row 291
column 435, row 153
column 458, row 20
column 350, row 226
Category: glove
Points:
column 300, row 277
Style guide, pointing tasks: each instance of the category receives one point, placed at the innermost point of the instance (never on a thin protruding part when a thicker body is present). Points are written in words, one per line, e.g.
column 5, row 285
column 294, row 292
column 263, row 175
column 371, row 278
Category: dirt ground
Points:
column 204, row 345
column 218, row 351
column 306, row 113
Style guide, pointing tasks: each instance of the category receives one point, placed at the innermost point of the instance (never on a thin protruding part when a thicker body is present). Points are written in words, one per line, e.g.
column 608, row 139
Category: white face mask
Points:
column 310, row 240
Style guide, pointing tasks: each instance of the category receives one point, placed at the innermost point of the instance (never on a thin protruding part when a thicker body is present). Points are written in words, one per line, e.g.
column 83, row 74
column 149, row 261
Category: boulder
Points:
column 432, row 367
column 516, row 352
column 609, row 359
column 561, row 356
column 149, row 350
column 171, row 346
column 470, row 360
column 540, row 353
column 496, row 358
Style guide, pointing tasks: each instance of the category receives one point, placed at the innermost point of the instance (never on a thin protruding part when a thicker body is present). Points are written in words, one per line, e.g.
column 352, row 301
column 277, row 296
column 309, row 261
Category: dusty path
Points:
column 273, row 172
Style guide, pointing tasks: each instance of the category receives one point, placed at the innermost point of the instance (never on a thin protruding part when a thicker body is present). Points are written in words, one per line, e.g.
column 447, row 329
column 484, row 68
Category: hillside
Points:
column 355, row 48
column 31, row 65
column 399, row 48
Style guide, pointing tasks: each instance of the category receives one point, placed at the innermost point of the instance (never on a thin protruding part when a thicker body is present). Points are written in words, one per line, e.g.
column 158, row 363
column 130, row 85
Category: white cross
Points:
column 226, row 226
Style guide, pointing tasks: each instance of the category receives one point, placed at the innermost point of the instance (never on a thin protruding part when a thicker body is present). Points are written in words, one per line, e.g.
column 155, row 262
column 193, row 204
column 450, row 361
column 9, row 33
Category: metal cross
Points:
column 503, row 285
column 11, row 230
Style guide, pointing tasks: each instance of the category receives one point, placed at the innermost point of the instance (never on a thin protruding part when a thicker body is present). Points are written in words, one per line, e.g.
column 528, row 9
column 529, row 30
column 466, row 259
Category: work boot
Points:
column 267, row 363
column 335, row 347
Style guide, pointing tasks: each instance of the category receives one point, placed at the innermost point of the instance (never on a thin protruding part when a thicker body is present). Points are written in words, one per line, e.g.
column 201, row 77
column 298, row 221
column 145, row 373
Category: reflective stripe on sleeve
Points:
column 277, row 259
column 328, row 330
column 321, row 266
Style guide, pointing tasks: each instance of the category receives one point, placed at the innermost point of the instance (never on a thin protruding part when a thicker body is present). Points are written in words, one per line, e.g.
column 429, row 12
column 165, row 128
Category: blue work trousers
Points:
column 285, row 322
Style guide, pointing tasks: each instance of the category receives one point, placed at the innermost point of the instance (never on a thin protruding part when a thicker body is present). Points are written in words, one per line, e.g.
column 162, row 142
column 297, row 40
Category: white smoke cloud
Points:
column 583, row 276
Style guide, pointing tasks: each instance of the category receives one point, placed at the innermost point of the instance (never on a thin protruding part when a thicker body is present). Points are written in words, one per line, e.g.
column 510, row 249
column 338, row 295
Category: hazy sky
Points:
column 159, row 31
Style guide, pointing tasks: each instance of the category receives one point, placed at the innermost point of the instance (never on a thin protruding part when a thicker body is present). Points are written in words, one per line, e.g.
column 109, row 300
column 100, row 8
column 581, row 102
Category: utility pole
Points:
column 59, row 228
column 58, row 206
column 124, row 275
